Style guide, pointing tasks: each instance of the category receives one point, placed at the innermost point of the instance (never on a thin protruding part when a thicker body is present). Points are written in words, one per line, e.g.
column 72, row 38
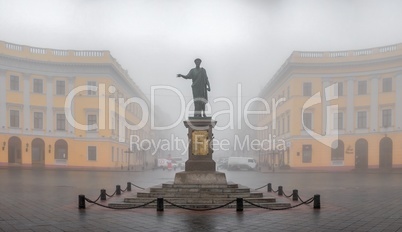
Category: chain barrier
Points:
column 261, row 187
column 239, row 205
column 288, row 196
column 290, row 207
column 112, row 194
column 97, row 198
column 197, row 209
column 110, row 207
column 137, row 186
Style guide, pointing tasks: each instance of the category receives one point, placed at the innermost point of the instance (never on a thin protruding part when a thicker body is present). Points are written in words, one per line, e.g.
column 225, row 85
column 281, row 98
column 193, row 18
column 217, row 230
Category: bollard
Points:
column 81, row 201
column 269, row 187
column 317, row 203
column 295, row 196
column 239, row 204
column 129, row 186
column 103, row 195
column 280, row 191
column 118, row 190
column 159, row 204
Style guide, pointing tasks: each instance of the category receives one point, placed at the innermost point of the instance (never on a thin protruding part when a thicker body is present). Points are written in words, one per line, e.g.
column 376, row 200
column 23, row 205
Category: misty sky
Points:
column 239, row 41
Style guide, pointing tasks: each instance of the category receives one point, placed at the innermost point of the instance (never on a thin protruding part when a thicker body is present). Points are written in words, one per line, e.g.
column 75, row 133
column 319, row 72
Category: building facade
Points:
column 340, row 109
column 67, row 107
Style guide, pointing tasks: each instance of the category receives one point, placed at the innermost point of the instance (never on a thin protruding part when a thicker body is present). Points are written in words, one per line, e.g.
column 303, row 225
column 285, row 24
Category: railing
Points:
column 13, row 47
column 311, row 54
column 88, row 53
column 37, row 50
column 364, row 52
column 60, row 52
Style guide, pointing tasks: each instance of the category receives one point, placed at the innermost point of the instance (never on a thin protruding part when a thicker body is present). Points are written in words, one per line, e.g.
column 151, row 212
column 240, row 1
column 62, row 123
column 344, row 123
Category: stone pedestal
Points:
column 200, row 168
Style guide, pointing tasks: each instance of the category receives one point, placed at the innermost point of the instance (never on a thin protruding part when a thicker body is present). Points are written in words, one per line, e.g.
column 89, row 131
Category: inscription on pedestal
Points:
column 199, row 140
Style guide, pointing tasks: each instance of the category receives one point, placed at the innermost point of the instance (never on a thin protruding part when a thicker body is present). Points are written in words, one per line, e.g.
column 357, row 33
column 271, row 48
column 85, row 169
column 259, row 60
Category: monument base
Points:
column 200, row 165
column 200, row 178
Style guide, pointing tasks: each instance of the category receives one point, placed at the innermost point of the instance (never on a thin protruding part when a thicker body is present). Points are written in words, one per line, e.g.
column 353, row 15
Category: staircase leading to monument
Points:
column 199, row 196
column 200, row 185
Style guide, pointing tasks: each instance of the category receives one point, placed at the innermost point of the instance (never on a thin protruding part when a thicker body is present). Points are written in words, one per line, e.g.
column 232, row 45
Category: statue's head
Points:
column 197, row 61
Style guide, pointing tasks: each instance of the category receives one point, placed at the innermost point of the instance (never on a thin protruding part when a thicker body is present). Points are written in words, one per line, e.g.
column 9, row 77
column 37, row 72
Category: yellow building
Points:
column 343, row 109
column 36, row 86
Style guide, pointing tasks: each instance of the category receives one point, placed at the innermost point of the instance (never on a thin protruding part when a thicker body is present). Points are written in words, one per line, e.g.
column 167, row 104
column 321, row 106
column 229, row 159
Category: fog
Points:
column 242, row 43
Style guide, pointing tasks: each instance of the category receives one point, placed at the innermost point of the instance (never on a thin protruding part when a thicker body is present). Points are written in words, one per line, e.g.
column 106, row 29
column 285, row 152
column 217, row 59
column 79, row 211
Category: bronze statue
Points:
column 200, row 87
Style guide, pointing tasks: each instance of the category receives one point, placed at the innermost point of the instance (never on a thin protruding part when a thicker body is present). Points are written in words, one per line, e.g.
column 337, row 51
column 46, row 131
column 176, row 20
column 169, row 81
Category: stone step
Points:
column 199, row 190
column 171, row 185
column 199, row 200
column 196, row 195
column 256, row 194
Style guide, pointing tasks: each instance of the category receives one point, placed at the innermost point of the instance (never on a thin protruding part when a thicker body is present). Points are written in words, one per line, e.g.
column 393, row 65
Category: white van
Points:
column 238, row 163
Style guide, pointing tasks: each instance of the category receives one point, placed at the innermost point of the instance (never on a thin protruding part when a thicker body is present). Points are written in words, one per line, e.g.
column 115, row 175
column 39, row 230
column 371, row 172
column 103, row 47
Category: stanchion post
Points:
column 280, row 191
column 129, row 186
column 118, row 190
column 295, row 196
column 81, row 201
column 317, row 202
column 239, row 204
column 269, row 187
column 159, row 204
column 103, row 195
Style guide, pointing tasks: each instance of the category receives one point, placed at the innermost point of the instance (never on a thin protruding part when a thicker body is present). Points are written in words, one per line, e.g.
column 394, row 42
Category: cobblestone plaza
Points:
column 47, row 200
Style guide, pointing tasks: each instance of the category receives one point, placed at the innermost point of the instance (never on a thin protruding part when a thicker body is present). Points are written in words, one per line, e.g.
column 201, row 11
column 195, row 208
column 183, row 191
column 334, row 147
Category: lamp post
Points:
column 128, row 152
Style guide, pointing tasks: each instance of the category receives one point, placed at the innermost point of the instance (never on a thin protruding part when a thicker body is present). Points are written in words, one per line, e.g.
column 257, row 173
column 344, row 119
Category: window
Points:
column 113, row 159
column 386, row 118
column 387, row 84
column 307, row 89
column 38, row 86
column 92, row 153
column 38, row 120
column 14, row 83
column 61, row 122
column 288, row 124
column 361, row 119
column 338, row 121
column 91, row 92
column 362, row 87
column 92, row 122
column 14, row 118
column 307, row 153
column 60, row 87
column 308, row 120
column 340, row 89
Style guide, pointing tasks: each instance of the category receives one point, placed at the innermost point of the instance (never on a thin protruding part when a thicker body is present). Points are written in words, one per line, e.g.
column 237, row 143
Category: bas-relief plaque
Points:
column 199, row 142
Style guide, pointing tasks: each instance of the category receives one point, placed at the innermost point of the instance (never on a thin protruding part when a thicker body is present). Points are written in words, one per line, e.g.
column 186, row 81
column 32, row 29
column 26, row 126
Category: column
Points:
column 26, row 125
column 49, row 105
column 374, row 104
column 324, row 103
column 69, row 89
column 350, row 106
column 3, row 100
column 398, row 101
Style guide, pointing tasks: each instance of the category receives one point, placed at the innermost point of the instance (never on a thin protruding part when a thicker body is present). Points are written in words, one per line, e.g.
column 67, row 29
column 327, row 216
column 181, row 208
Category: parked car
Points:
column 239, row 163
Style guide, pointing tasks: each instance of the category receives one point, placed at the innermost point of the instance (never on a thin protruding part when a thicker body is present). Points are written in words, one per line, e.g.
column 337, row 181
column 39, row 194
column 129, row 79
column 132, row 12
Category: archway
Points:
column 38, row 151
column 385, row 153
column 361, row 154
column 61, row 150
column 337, row 151
column 14, row 150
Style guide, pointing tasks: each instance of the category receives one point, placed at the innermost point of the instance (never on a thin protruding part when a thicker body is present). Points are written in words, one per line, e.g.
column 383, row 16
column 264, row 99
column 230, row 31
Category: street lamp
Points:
column 128, row 152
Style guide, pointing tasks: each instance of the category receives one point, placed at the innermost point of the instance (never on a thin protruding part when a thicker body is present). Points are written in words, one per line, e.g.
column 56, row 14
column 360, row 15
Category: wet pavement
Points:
column 47, row 200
